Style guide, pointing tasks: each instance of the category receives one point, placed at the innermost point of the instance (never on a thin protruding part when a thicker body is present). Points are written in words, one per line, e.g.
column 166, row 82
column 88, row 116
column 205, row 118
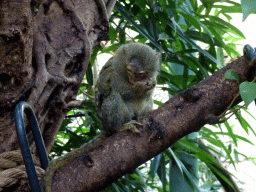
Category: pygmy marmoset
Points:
column 123, row 93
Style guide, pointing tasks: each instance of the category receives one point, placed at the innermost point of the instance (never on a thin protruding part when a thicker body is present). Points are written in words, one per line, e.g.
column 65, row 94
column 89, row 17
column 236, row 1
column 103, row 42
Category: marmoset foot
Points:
column 130, row 126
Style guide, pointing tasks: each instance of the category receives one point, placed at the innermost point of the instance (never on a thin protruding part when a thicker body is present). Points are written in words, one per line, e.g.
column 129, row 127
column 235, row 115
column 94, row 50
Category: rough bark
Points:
column 65, row 34
column 16, row 40
column 97, row 164
column 43, row 59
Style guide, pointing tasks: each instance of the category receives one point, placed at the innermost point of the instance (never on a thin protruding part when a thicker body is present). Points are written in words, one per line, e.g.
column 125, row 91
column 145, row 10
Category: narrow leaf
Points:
column 187, row 39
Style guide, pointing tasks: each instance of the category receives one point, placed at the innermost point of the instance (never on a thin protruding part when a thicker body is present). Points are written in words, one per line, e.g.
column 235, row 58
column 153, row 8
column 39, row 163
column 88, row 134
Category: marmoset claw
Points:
column 130, row 126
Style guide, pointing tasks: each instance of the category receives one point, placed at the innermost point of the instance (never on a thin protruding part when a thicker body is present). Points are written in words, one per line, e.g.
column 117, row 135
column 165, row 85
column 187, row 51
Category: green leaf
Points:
column 190, row 178
column 162, row 172
column 159, row 103
column 176, row 159
column 245, row 109
column 220, row 174
column 194, row 65
column 190, row 41
column 191, row 20
column 113, row 47
column 220, row 144
column 220, row 55
column 206, row 38
column 154, row 165
column 112, row 34
column 141, row 4
column 125, row 13
column 231, row 52
column 196, row 23
column 230, row 74
column 89, row 74
column 95, row 53
column 205, row 157
column 229, row 9
column 230, row 131
column 248, row 91
column 236, row 136
column 242, row 122
column 157, row 7
column 229, row 27
column 176, row 80
column 164, row 36
column 248, row 7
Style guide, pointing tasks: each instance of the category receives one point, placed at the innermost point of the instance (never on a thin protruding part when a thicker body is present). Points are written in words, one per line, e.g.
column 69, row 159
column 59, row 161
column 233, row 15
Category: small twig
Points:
column 132, row 39
column 110, row 6
column 233, row 112
column 74, row 103
column 95, row 72
column 87, row 95
column 224, row 113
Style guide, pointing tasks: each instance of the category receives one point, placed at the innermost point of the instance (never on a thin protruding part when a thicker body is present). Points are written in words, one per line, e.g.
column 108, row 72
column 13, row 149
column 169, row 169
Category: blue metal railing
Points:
column 23, row 141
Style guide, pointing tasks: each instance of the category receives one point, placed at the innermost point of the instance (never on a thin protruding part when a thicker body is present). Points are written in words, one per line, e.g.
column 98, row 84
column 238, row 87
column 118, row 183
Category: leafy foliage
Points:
column 178, row 29
column 247, row 89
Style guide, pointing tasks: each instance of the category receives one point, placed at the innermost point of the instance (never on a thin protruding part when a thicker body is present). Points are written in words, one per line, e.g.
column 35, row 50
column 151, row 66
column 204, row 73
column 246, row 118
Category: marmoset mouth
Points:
column 135, row 77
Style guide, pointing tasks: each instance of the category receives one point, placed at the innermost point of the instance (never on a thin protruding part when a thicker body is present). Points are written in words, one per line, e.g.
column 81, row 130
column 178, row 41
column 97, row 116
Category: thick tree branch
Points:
column 96, row 165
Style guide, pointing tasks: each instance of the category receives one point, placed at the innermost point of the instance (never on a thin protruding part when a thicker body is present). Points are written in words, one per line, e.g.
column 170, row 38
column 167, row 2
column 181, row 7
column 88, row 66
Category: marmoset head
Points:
column 136, row 61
